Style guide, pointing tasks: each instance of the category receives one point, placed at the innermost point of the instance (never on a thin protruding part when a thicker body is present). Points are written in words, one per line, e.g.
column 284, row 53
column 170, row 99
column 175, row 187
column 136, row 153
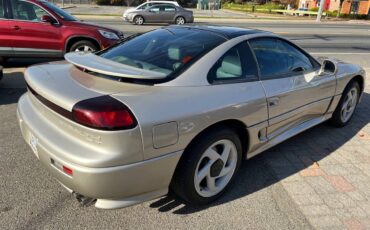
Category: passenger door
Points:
column 153, row 14
column 168, row 13
column 5, row 32
column 235, row 74
column 30, row 36
column 295, row 92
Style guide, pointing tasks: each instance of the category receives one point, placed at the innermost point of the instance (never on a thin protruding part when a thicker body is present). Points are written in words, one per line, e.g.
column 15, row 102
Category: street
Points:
column 270, row 192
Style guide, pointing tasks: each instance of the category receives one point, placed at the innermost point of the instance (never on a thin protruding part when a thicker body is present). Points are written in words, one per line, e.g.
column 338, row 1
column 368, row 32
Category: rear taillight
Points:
column 105, row 113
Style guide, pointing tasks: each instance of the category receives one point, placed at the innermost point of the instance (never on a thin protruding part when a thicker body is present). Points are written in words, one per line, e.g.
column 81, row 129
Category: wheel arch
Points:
column 73, row 39
column 178, row 16
column 138, row 15
column 238, row 126
column 360, row 80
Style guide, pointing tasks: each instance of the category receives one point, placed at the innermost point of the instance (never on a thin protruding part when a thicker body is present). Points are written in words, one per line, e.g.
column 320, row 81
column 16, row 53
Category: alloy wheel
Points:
column 349, row 104
column 84, row 48
column 180, row 21
column 139, row 20
column 215, row 168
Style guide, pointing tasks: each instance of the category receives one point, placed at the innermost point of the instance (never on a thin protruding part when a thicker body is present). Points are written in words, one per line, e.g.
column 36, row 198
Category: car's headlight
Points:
column 109, row 35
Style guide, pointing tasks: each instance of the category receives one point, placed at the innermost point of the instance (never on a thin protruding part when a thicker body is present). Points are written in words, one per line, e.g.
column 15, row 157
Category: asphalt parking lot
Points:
column 319, row 179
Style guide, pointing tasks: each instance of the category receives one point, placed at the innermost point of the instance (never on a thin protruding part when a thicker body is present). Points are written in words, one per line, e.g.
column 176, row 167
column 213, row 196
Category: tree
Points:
column 340, row 7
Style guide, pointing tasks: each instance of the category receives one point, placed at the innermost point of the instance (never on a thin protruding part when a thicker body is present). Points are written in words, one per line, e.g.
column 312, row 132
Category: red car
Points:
column 37, row 28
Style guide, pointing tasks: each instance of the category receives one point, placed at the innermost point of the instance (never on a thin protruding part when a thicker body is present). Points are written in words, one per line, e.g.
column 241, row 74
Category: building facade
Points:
column 356, row 7
column 348, row 7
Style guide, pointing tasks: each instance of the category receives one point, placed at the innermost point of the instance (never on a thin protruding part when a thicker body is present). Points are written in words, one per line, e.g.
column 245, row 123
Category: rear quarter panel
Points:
column 193, row 109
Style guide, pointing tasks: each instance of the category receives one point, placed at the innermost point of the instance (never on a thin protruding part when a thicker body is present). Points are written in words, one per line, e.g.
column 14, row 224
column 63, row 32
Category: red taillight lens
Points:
column 104, row 113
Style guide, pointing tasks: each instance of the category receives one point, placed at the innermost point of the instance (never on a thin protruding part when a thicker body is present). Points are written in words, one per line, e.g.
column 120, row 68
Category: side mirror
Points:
column 328, row 67
column 47, row 19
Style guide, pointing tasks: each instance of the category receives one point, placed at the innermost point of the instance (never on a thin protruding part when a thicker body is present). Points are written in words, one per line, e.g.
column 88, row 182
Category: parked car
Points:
column 161, row 14
column 1, row 72
column 302, row 9
column 177, row 108
column 37, row 28
column 147, row 5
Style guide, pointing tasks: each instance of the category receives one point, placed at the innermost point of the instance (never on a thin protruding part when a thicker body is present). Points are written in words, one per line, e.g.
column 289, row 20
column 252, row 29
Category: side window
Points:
column 169, row 9
column 297, row 61
column 236, row 64
column 26, row 11
column 155, row 9
column 277, row 58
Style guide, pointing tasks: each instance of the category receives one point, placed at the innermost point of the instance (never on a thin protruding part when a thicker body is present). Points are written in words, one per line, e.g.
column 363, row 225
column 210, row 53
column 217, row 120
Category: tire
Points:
column 340, row 117
column 192, row 188
column 180, row 20
column 1, row 73
column 2, row 60
column 139, row 20
column 83, row 45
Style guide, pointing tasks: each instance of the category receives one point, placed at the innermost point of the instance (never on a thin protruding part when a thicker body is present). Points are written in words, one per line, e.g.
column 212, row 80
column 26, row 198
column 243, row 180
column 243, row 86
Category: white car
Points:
column 146, row 5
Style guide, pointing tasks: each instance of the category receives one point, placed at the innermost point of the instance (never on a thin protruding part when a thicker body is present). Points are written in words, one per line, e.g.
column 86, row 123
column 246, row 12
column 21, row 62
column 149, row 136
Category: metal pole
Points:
column 319, row 14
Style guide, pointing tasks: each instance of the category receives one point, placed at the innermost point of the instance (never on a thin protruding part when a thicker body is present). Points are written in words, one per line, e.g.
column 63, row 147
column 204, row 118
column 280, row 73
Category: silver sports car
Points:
column 177, row 108
column 162, row 13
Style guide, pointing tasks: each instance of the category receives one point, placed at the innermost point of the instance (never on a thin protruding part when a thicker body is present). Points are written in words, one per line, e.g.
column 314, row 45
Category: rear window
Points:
column 61, row 13
column 168, row 50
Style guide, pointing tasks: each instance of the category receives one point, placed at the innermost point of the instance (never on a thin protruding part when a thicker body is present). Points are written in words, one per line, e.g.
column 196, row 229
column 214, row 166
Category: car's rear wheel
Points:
column 83, row 46
column 347, row 105
column 180, row 20
column 139, row 20
column 208, row 166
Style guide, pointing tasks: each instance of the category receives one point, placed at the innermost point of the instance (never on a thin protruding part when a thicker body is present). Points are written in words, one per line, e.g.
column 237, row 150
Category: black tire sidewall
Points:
column 187, row 166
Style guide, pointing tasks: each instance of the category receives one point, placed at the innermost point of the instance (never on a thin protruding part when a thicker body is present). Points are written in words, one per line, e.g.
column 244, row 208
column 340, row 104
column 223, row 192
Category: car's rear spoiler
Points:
column 97, row 64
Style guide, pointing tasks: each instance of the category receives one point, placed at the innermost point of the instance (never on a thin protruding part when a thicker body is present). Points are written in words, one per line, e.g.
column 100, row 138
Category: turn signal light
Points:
column 105, row 113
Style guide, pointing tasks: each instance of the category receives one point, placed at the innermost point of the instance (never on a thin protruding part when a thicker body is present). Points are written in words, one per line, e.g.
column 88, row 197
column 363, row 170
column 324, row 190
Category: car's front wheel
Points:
column 347, row 105
column 138, row 20
column 180, row 20
column 208, row 166
column 83, row 46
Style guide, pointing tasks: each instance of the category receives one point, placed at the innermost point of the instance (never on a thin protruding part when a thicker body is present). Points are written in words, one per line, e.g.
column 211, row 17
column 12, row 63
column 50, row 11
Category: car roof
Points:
column 169, row 2
column 225, row 31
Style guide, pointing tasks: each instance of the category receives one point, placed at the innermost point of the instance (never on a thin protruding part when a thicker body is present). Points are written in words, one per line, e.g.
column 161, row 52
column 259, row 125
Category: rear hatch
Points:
column 55, row 88
column 65, row 84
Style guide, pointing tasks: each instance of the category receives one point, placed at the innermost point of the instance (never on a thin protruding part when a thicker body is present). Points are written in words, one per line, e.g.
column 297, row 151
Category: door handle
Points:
column 16, row 27
column 273, row 101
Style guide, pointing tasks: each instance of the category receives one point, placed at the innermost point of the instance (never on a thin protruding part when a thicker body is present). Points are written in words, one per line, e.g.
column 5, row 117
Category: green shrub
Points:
column 103, row 2
column 314, row 9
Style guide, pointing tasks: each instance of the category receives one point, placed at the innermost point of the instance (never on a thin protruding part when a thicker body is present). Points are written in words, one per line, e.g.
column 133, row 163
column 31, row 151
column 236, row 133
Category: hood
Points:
column 93, row 26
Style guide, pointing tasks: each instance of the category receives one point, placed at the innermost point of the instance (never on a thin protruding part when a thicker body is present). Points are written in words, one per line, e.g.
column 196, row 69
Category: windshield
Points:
column 167, row 50
column 61, row 13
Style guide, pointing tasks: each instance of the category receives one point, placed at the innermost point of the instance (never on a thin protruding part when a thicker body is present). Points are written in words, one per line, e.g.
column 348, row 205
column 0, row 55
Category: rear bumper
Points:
column 114, row 187
column 190, row 19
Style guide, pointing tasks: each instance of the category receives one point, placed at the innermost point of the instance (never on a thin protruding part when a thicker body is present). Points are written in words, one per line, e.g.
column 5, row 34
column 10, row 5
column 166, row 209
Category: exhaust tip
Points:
column 84, row 200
